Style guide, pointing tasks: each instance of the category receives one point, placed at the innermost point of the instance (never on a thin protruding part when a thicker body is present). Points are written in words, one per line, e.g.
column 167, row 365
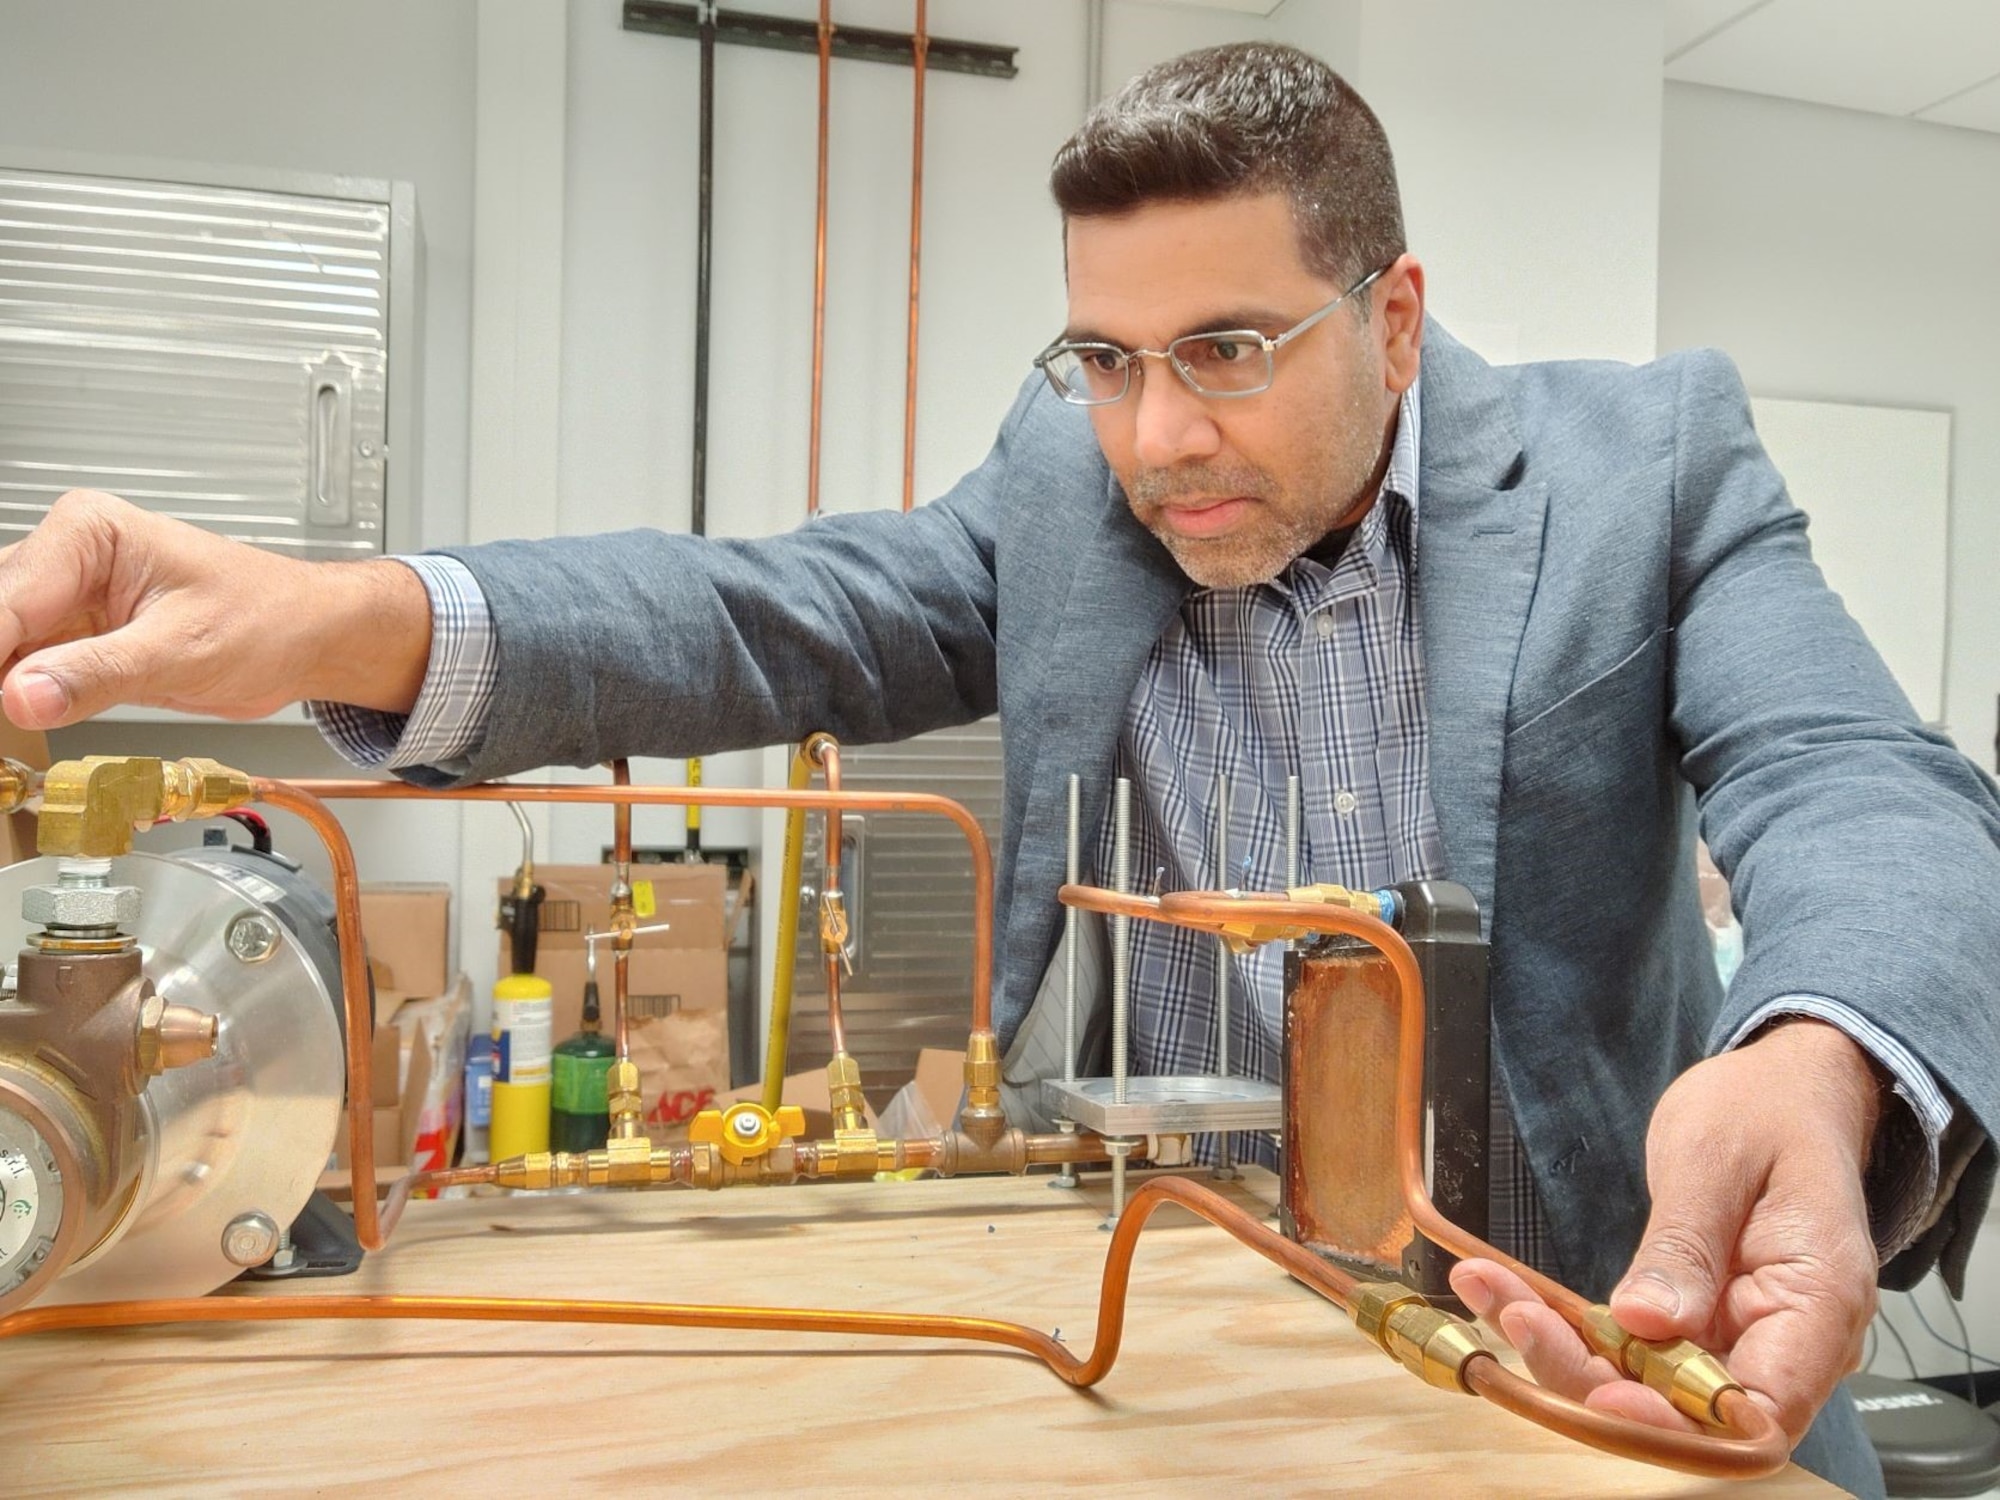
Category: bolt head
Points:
column 249, row 1239
column 80, row 906
column 747, row 1125
column 252, row 937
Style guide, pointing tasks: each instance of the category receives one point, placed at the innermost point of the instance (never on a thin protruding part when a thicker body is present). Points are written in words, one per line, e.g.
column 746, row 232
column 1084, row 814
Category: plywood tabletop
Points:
column 1231, row 1375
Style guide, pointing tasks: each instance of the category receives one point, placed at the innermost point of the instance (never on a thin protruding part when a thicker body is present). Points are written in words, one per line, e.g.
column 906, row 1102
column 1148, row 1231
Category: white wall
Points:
column 1842, row 256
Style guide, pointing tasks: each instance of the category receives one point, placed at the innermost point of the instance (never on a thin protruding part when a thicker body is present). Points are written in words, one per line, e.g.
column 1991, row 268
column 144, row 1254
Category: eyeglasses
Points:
column 1233, row 362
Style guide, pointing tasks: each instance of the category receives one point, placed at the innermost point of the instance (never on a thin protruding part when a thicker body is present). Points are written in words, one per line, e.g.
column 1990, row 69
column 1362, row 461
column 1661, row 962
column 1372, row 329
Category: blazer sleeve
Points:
column 1862, row 849
column 873, row 626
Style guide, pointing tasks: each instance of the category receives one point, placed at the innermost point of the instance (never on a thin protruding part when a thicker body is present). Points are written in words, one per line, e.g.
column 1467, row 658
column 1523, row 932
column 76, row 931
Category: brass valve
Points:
column 747, row 1130
column 91, row 807
column 1427, row 1341
column 1691, row 1378
column 833, row 930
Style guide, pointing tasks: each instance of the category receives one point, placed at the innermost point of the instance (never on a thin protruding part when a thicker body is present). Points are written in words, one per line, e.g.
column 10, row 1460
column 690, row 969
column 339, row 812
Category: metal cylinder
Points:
column 1075, row 876
column 1121, row 881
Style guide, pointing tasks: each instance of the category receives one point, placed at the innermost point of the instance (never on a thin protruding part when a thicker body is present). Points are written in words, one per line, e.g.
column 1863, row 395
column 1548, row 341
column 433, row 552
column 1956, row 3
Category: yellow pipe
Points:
column 780, row 1038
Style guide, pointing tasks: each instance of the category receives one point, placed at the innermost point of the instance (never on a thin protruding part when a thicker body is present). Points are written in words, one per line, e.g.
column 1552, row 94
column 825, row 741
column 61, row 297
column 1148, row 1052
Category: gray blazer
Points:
column 1624, row 638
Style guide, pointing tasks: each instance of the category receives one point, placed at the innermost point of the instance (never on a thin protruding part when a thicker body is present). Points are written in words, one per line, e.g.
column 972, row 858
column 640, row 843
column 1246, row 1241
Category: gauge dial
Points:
column 31, row 1200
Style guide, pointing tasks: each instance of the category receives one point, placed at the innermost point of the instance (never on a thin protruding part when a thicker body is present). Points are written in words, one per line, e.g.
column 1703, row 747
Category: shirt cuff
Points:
column 448, row 720
column 1904, row 1178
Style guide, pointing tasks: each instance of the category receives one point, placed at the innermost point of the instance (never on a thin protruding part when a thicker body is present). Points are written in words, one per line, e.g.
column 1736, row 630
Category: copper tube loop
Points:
column 1757, row 1444
column 819, row 256
column 920, row 49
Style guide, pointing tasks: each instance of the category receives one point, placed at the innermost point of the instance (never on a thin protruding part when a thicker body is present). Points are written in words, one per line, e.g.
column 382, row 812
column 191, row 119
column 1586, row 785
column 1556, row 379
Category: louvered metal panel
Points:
column 219, row 354
column 912, row 987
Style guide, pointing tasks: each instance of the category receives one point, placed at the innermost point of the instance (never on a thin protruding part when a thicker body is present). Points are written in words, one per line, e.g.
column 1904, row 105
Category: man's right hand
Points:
column 104, row 603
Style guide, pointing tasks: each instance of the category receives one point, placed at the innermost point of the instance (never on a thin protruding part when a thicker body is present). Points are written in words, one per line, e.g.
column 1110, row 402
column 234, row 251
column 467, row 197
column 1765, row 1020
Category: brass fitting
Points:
column 17, row 784
column 621, row 1087
column 90, row 807
column 1692, row 1379
column 982, row 1118
column 1427, row 1341
column 625, row 1164
column 172, row 1036
column 843, row 1092
column 1365, row 902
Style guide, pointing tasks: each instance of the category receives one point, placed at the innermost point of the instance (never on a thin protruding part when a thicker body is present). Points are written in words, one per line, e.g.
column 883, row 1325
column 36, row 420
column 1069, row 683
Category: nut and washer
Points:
column 250, row 1239
column 252, row 937
column 80, row 906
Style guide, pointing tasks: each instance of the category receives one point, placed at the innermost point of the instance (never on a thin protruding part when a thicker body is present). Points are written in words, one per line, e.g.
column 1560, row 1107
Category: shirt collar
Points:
column 1310, row 584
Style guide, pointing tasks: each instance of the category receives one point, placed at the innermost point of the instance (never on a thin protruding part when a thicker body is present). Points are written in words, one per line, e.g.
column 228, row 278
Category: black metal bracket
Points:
column 784, row 34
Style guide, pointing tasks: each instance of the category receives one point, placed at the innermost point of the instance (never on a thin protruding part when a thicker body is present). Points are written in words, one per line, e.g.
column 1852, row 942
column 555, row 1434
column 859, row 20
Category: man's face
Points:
column 1236, row 487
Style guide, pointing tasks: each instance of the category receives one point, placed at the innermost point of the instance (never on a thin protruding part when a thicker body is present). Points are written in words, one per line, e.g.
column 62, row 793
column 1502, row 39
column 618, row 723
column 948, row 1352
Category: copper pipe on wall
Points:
column 920, row 50
column 819, row 255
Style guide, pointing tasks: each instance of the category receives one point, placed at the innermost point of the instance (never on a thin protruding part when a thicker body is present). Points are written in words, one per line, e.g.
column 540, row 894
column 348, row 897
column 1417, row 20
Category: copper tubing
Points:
column 420, row 1182
column 1322, row 1276
column 824, row 749
column 621, row 904
column 920, row 49
column 708, row 796
column 296, row 799
column 819, row 256
column 1757, row 1444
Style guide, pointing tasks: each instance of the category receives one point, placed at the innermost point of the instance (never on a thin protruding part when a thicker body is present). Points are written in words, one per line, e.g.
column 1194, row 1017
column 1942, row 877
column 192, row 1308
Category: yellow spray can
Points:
column 523, row 1029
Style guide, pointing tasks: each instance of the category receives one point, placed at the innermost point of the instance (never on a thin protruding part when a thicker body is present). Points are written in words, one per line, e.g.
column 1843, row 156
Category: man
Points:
column 1256, row 517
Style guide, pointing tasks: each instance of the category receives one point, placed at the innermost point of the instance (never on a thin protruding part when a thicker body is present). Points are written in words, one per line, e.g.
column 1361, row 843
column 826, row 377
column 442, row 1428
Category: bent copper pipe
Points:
column 920, row 47
column 1756, row 1444
column 307, row 800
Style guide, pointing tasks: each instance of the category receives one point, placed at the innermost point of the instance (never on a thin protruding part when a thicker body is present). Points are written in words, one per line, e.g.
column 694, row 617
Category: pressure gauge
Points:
column 31, row 1201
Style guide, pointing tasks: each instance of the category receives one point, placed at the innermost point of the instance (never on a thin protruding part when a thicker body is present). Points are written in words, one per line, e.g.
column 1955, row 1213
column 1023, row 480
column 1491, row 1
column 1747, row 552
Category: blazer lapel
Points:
column 1479, row 551
column 1123, row 591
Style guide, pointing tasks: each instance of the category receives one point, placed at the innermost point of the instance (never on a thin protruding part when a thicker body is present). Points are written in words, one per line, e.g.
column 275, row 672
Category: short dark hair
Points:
column 1247, row 117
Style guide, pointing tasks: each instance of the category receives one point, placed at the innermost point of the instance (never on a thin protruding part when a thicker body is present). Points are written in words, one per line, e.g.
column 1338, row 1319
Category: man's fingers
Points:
column 66, row 683
column 1556, row 1354
column 60, row 571
column 1685, row 1258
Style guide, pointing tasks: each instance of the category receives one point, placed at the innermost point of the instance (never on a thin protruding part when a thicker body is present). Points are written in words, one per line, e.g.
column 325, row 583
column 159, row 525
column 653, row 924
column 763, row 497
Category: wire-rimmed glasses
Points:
column 1229, row 362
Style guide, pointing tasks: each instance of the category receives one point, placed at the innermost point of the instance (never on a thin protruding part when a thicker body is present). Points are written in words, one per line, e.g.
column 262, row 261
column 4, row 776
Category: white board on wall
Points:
column 1876, row 483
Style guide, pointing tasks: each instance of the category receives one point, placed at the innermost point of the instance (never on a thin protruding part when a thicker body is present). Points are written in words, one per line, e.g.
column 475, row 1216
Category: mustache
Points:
column 1156, row 487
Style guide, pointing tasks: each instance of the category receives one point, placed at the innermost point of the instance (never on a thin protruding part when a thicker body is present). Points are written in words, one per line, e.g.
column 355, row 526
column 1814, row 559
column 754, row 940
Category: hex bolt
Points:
column 250, row 1239
column 252, row 937
column 748, row 1126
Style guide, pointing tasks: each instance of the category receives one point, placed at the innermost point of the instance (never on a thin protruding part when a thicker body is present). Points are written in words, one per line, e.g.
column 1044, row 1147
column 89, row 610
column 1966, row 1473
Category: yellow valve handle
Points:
column 746, row 1130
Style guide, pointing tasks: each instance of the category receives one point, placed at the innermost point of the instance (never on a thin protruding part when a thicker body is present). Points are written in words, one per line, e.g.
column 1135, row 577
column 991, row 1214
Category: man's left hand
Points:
column 1758, row 1247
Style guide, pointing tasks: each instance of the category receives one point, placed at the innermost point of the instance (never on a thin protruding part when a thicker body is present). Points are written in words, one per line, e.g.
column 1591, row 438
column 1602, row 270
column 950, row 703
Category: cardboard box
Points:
column 928, row 1102
column 683, row 968
column 407, row 927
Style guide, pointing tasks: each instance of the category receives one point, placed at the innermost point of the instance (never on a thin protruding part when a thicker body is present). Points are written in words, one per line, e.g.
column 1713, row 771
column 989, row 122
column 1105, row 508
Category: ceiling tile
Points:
column 1688, row 21
column 1891, row 58
column 1977, row 110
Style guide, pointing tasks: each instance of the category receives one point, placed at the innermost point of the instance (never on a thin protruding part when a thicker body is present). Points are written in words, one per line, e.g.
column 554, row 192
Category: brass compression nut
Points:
column 1427, row 1341
column 1691, row 1378
column 197, row 787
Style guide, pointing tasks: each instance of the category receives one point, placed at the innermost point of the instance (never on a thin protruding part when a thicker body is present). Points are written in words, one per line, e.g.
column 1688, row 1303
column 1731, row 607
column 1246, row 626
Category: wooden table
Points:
column 1233, row 1380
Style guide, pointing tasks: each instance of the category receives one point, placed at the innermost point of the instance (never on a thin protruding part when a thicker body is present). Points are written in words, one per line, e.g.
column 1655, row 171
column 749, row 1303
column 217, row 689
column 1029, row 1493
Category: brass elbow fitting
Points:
column 1427, row 1341
column 90, row 807
column 1691, row 1378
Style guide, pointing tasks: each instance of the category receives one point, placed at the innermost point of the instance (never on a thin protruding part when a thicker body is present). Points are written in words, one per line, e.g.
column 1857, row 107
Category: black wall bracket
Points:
column 784, row 34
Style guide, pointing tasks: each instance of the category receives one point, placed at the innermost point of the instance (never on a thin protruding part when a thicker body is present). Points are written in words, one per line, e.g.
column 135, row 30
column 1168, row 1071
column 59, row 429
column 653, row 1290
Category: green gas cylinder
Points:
column 579, row 1102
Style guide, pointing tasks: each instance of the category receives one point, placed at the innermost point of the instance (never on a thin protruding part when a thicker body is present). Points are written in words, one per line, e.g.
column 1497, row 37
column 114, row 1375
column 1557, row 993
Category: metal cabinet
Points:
column 234, row 348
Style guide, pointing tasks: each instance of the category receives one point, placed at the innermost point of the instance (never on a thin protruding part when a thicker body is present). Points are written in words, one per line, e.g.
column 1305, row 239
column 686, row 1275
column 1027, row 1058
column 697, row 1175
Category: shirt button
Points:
column 1344, row 802
column 1323, row 623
